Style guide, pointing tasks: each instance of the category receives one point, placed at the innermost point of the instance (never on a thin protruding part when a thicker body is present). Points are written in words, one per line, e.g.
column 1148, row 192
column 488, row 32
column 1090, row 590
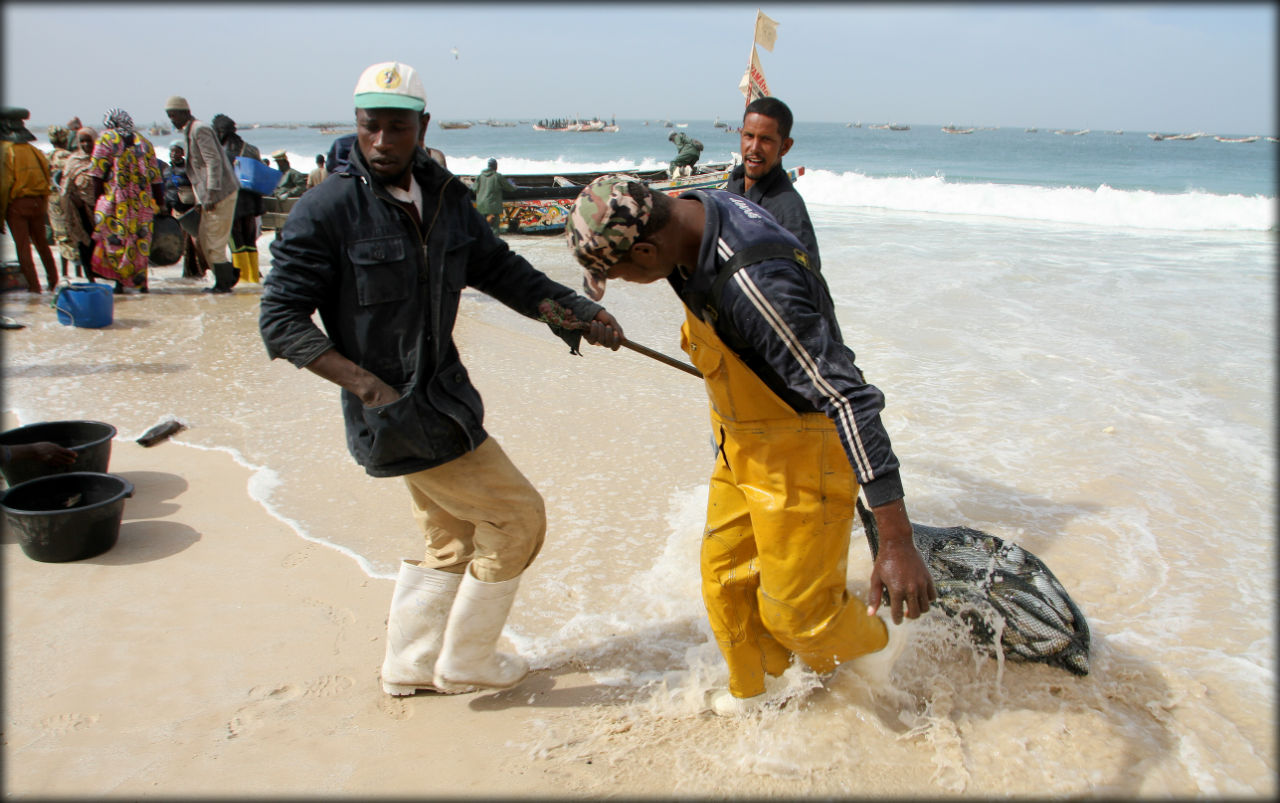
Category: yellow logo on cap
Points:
column 389, row 78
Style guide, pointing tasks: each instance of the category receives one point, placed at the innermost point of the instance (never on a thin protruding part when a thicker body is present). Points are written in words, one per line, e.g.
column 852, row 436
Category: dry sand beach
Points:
column 229, row 644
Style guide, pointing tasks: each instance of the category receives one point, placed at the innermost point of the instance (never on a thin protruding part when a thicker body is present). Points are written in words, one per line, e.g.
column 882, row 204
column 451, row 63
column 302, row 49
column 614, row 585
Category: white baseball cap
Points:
column 390, row 85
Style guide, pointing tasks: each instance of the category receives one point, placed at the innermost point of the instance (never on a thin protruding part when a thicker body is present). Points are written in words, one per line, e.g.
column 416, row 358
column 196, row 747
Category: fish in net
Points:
column 1001, row 592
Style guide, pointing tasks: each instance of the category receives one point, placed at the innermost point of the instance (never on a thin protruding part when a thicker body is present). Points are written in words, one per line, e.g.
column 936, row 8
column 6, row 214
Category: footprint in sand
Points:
column 296, row 558
column 62, row 724
column 394, row 707
column 268, row 699
column 339, row 616
column 265, row 698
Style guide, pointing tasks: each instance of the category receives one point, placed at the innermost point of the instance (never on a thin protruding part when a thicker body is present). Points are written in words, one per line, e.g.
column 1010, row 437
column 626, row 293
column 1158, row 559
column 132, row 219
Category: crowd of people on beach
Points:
column 113, row 209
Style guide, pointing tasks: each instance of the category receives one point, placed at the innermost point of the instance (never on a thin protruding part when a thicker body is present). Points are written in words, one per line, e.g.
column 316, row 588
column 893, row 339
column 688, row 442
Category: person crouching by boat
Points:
column 489, row 187
column 249, row 205
column 383, row 249
column 128, row 189
column 214, row 184
column 798, row 430
column 293, row 183
column 688, row 151
column 765, row 137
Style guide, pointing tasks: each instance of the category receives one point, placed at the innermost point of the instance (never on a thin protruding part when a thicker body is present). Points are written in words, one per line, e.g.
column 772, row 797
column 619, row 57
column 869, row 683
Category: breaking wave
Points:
column 1101, row 206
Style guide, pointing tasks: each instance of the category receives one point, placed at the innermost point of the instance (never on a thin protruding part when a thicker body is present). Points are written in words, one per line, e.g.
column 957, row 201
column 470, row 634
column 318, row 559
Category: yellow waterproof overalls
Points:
column 779, row 515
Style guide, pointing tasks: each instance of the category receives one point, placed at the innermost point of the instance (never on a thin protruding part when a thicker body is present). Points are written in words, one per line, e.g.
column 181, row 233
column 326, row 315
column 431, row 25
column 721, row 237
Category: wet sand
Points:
column 225, row 648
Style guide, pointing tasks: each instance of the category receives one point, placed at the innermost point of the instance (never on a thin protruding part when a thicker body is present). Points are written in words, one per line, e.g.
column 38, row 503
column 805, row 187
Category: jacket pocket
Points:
column 383, row 270
column 395, row 431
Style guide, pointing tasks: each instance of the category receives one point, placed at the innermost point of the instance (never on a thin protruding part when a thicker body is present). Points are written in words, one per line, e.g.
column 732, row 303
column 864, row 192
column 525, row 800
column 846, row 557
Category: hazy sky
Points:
column 1175, row 67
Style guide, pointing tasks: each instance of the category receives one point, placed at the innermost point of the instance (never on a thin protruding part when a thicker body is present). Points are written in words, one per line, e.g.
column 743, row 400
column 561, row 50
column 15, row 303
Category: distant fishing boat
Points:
column 1032, row 130
column 1236, row 139
column 899, row 128
column 451, row 124
column 1070, row 133
column 950, row 129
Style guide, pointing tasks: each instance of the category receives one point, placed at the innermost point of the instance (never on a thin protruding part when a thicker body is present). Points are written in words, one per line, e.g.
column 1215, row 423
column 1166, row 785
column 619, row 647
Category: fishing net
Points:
column 1001, row 592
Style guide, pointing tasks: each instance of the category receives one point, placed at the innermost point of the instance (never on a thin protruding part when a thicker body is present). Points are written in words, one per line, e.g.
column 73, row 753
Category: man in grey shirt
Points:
column 215, row 184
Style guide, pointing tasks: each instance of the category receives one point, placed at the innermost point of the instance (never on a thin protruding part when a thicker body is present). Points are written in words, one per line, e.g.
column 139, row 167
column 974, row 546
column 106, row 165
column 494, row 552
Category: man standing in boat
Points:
column 765, row 139
column 489, row 188
column 383, row 249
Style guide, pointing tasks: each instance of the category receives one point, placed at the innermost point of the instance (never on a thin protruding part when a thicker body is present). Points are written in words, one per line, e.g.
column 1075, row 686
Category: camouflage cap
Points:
column 606, row 220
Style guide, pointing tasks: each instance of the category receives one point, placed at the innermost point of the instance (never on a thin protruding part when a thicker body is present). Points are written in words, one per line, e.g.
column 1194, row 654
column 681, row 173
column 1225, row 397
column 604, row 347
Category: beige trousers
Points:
column 215, row 229
column 478, row 510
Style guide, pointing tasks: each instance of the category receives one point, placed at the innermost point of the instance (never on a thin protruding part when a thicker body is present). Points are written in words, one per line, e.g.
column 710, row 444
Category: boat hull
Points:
column 545, row 210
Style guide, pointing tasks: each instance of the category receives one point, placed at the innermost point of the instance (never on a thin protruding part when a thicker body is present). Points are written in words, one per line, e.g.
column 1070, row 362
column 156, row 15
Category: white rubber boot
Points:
column 415, row 628
column 723, row 703
column 875, row 667
column 469, row 657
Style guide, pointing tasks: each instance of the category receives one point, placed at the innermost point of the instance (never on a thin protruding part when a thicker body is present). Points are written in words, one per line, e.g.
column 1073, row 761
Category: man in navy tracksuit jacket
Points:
column 797, row 427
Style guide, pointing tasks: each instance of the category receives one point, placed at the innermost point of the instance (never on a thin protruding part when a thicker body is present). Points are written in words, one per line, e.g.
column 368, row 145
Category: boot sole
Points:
column 447, row 686
column 410, row 689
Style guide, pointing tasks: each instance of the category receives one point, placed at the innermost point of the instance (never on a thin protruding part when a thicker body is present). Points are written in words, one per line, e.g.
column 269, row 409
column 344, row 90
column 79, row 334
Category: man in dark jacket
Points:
column 785, row 398
column 765, row 139
column 383, row 250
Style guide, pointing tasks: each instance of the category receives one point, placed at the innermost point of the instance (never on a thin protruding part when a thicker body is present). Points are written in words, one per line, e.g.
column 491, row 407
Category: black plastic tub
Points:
column 66, row 517
column 91, row 440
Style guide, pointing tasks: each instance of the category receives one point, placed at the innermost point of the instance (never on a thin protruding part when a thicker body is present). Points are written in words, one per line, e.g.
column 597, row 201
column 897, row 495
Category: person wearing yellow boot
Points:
column 249, row 206
column 383, row 249
column 797, row 430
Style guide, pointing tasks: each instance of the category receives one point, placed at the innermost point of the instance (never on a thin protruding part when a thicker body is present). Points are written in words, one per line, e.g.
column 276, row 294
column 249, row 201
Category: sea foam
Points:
column 1098, row 206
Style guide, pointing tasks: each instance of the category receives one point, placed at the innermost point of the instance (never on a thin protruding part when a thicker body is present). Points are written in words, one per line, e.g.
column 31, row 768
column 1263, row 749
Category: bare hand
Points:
column 46, row 452
column 899, row 567
column 378, row 393
column 604, row 330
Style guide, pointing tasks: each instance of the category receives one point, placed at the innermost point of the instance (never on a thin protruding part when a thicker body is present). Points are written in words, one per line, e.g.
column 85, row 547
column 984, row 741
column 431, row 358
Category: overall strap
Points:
column 750, row 256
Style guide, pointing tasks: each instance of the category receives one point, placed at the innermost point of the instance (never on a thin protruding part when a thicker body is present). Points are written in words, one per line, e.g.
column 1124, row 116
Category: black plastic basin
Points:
column 66, row 517
column 91, row 440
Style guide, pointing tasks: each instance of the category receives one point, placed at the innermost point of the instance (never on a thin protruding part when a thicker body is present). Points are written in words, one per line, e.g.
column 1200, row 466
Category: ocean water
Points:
column 1075, row 336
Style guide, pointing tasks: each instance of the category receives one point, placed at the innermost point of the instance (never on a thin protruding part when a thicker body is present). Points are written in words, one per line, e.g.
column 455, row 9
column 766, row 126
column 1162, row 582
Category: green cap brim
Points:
column 386, row 100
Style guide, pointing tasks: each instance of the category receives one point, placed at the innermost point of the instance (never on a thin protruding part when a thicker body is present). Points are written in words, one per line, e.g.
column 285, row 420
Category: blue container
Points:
column 256, row 176
column 86, row 305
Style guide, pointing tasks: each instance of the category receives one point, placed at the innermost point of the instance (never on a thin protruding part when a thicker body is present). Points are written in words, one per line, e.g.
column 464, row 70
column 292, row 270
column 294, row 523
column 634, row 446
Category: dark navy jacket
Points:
column 778, row 196
column 383, row 288
column 783, row 314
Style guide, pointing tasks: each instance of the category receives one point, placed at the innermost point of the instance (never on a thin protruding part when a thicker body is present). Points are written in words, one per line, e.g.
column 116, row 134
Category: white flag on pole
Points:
column 766, row 31
column 752, row 85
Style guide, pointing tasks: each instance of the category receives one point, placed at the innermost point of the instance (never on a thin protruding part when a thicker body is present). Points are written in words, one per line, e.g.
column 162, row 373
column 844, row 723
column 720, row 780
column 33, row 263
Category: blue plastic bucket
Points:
column 256, row 176
column 88, row 306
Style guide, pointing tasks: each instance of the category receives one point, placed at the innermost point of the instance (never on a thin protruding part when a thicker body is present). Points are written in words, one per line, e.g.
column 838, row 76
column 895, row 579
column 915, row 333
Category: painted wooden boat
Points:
column 541, row 202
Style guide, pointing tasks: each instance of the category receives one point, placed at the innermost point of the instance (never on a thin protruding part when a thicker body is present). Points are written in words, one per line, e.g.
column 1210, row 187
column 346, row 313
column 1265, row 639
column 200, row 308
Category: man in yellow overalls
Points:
column 797, row 429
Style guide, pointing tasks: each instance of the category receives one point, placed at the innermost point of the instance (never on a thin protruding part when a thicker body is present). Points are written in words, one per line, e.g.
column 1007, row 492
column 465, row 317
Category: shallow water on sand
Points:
column 1102, row 397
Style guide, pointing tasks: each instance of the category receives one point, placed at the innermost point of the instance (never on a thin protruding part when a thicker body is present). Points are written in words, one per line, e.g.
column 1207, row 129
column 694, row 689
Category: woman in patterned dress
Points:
column 128, row 189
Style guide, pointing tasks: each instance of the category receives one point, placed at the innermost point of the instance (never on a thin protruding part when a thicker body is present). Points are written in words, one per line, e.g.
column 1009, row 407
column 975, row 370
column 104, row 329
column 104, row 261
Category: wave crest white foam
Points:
column 1104, row 206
